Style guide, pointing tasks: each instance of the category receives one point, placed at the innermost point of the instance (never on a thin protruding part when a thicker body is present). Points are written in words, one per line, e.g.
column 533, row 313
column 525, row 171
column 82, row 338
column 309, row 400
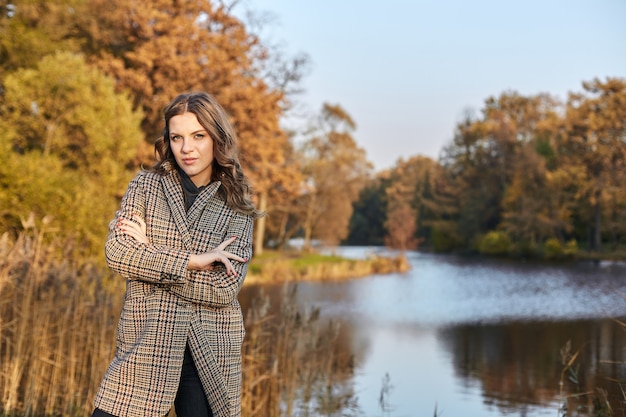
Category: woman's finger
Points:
column 133, row 230
column 225, row 243
column 142, row 223
column 235, row 257
column 230, row 270
column 129, row 226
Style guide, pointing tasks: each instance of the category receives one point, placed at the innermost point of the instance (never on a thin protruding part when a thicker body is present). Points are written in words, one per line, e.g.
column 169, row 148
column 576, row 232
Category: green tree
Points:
column 367, row 224
column 32, row 29
column 68, row 141
column 474, row 173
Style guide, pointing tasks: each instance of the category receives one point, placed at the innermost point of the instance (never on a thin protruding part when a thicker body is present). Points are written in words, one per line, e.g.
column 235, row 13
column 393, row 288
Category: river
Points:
column 477, row 337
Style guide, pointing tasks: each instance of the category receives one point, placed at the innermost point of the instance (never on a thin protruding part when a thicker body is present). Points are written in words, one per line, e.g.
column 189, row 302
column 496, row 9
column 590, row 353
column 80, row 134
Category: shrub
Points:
column 443, row 240
column 554, row 249
column 495, row 243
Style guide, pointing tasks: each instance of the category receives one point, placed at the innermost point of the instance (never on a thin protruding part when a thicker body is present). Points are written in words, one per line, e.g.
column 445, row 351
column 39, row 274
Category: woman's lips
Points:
column 189, row 161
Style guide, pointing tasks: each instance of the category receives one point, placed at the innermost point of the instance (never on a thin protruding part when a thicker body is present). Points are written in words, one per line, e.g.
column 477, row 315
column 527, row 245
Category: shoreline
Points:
column 315, row 267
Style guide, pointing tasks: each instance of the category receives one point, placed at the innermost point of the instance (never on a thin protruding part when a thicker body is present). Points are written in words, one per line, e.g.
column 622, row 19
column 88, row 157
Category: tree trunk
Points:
column 282, row 232
column 306, row 245
column 308, row 226
column 597, row 218
column 260, row 225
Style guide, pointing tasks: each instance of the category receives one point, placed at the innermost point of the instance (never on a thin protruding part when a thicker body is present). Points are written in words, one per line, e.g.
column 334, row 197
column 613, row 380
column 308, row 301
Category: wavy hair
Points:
column 235, row 188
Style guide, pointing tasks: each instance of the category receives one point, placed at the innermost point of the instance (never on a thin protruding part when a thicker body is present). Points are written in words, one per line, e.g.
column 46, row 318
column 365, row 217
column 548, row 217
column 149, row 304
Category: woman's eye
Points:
column 199, row 136
column 174, row 138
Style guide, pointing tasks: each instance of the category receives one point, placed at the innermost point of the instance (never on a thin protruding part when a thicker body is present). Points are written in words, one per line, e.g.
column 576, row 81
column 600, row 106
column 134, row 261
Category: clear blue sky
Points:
column 406, row 71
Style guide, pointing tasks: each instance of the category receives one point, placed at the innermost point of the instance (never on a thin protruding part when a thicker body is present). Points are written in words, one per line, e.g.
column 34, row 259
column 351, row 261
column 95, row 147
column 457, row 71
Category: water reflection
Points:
column 476, row 337
column 520, row 363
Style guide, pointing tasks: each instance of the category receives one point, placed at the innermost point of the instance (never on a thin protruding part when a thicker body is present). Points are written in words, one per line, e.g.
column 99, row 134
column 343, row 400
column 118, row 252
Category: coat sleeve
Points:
column 134, row 260
column 216, row 288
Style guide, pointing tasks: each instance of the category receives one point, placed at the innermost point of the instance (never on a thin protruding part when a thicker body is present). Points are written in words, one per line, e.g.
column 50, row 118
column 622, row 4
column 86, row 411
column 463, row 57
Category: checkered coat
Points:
column 166, row 306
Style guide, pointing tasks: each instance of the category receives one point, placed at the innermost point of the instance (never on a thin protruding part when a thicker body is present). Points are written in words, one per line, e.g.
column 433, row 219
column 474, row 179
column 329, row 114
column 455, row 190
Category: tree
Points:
column 539, row 203
column 335, row 170
column 441, row 211
column 409, row 184
column 483, row 156
column 158, row 49
column 401, row 227
column 367, row 224
column 32, row 29
column 155, row 50
column 285, row 207
column 69, row 139
column 594, row 138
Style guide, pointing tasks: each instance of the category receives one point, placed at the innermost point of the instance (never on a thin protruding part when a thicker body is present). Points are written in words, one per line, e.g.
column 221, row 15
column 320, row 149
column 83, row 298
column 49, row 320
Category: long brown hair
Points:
column 235, row 188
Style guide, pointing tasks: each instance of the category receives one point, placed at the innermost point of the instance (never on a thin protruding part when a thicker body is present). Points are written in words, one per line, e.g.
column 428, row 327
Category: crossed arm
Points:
column 198, row 262
column 212, row 278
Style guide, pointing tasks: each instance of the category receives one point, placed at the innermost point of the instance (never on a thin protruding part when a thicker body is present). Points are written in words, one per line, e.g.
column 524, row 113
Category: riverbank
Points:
column 275, row 266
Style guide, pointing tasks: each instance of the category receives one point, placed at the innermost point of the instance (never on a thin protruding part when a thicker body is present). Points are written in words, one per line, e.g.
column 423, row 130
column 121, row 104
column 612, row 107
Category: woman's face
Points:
column 192, row 147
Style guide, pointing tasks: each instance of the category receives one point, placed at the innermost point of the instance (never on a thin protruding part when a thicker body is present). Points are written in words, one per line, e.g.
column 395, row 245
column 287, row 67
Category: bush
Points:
column 571, row 248
column 554, row 249
column 443, row 240
column 495, row 243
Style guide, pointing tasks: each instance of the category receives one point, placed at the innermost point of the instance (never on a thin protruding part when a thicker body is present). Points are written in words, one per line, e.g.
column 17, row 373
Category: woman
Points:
column 182, row 239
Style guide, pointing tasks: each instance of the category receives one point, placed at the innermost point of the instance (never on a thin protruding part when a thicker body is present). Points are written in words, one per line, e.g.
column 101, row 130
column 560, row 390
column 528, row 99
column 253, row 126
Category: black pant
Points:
column 190, row 399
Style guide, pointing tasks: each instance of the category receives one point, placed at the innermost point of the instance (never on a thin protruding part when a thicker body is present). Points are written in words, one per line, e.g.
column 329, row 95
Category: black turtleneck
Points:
column 190, row 189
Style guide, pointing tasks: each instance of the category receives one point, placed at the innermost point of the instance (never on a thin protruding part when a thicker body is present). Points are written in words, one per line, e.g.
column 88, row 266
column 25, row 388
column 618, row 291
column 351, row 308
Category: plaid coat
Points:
column 166, row 306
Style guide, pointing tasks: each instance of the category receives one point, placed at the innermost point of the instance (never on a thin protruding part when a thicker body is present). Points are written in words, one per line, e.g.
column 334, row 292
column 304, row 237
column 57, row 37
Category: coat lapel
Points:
column 196, row 209
column 176, row 201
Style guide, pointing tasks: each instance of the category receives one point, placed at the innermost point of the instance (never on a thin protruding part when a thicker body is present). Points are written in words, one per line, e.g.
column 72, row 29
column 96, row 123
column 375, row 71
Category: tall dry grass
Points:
column 57, row 323
column 58, row 315
column 294, row 363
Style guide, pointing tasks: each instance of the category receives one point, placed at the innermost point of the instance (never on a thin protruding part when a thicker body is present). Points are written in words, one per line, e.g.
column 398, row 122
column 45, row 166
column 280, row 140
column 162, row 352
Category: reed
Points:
column 579, row 398
column 58, row 315
column 293, row 363
column 57, row 323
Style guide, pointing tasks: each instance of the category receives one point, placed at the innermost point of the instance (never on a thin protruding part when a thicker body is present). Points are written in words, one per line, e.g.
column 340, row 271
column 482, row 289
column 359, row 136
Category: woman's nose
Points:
column 186, row 146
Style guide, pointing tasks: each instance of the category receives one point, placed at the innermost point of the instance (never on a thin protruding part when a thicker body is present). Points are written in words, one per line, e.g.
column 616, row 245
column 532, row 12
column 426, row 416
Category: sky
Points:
column 407, row 71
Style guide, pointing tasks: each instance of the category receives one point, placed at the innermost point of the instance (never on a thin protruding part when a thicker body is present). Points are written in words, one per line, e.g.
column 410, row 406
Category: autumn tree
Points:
column 158, row 49
column 538, row 199
column 285, row 209
column 594, row 139
column 409, row 181
column 484, row 155
column 539, row 203
column 68, row 140
column 335, row 170
column 440, row 210
column 401, row 227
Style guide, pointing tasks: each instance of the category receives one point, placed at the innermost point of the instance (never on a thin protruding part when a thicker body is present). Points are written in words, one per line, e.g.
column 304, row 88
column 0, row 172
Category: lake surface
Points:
column 477, row 337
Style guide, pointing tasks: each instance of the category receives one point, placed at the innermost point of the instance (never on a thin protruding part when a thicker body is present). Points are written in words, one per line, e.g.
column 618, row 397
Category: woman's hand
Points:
column 205, row 261
column 134, row 228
